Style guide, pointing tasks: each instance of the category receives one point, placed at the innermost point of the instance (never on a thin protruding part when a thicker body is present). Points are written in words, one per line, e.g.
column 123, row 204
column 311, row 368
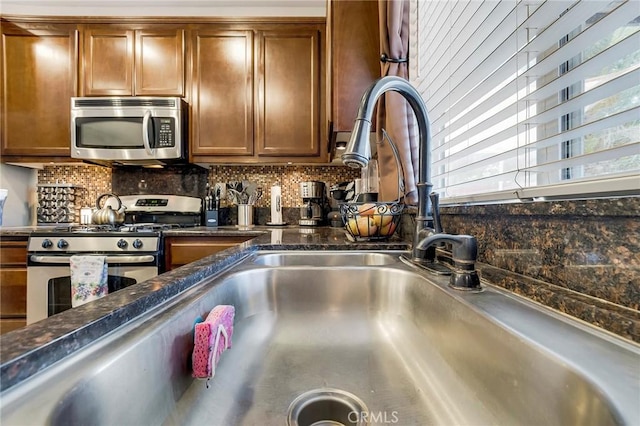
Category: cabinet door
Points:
column 222, row 99
column 182, row 250
column 159, row 64
column 39, row 67
column 13, row 283
column 128, row 62
column 355, row 62
column 288, row 93
column 108, row 62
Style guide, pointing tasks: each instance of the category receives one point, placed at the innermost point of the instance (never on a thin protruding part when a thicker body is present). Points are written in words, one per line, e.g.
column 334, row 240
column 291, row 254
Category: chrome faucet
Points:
column 358, row 153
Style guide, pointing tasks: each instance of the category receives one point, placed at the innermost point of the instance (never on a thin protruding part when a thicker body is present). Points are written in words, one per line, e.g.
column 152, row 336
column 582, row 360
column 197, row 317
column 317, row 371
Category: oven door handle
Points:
column 110, row 259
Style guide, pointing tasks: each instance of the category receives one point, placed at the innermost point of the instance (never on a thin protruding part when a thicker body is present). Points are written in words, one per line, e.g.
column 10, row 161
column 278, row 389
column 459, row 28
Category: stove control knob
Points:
column 47, row 243
column 122, row 243
column 137, row 243
column 62, row 244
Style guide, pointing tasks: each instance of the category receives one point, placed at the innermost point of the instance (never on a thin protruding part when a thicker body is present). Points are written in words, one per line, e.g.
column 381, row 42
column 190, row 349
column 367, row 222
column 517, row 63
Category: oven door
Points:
column 49, row 280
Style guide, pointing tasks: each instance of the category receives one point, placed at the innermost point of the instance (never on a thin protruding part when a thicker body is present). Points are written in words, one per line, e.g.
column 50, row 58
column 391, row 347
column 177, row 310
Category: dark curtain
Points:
column 394, row 114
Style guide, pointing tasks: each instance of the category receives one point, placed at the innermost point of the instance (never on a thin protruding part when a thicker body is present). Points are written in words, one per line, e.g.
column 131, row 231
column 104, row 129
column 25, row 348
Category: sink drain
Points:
column 327, row 407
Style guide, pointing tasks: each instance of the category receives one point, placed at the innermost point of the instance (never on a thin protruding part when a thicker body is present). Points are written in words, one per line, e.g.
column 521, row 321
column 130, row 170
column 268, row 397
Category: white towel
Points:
column 88, row 278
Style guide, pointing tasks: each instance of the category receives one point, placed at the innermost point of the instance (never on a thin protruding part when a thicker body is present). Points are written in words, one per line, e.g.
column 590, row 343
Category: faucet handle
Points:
column 435, row 211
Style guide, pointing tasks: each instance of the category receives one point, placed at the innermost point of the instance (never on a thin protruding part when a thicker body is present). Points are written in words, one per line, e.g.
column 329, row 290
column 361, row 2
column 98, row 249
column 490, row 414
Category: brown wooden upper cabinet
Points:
column 222, row 99
column 355, row 57
column 127, row 62
column 288, row 93
column 39, row 76
column 258, row 94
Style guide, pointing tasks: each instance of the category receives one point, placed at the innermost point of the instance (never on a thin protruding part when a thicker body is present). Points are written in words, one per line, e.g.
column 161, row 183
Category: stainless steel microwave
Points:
column 129, row 130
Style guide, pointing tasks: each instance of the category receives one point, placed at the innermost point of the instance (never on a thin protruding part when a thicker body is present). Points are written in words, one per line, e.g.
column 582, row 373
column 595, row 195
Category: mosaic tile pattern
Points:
column 94, row 180
column 192, row 180
column 289, row 177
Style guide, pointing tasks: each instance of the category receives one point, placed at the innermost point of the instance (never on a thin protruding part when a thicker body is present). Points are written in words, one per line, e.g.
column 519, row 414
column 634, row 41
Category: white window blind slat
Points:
column 615, row 85
column 483, row 50
column 622, row 119
column 588, row 69
column 468, row 95
column 534, row 97
column 579, row 160
column 445, row 32
column 584, row 71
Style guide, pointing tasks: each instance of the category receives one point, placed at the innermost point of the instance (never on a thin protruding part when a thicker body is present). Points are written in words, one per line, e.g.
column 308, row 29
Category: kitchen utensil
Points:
column 244, row 192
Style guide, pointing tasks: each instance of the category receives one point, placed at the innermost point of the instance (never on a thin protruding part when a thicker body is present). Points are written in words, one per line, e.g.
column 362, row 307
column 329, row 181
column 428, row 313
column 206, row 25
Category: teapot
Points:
column 107, row 215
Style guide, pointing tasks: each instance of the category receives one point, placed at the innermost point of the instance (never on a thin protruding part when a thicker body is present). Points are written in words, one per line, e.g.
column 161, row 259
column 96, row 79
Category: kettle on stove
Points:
column 106, row 215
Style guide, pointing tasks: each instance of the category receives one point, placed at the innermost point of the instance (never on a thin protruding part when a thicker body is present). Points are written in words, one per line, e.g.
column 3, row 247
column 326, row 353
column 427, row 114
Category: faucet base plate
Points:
column 431, row 266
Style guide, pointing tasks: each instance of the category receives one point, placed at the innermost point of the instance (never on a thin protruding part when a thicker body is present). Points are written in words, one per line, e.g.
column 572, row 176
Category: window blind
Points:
column 530, row 99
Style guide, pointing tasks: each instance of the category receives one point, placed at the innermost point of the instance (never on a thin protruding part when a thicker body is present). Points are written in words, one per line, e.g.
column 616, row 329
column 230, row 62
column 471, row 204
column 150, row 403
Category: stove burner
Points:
column 142, row 227
column 136, row 227
column 86, row 228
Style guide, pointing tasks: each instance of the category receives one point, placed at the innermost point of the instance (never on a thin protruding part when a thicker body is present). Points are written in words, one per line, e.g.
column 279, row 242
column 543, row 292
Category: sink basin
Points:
column 322, row 258
column 402, row 345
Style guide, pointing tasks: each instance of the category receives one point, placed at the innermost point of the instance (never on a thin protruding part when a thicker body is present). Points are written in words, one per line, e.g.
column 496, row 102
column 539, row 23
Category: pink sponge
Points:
column 211, row 338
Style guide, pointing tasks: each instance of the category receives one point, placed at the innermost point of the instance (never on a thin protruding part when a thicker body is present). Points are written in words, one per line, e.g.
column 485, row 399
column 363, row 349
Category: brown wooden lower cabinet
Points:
column 13, row 283
column 182, row 250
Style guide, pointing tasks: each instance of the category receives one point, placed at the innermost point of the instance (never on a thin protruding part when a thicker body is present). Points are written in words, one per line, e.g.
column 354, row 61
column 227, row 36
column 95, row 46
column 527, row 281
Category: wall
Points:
column 21, row 183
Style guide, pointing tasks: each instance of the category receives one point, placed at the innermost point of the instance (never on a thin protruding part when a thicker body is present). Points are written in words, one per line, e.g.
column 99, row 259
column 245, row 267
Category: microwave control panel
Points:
column 165, row 132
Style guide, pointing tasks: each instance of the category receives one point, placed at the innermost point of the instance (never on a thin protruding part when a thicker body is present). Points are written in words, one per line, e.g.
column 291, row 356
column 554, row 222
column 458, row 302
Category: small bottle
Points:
column 142, row 187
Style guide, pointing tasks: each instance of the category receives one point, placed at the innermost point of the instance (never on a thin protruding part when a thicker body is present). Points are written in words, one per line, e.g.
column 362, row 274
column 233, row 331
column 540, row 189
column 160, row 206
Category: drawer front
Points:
column 13, row 253
column 183, row 251
column 10, row 324
column 13, row 292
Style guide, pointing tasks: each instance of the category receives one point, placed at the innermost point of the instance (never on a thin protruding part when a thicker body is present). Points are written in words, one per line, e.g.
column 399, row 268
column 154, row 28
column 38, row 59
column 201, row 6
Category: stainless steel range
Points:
column 134, row 251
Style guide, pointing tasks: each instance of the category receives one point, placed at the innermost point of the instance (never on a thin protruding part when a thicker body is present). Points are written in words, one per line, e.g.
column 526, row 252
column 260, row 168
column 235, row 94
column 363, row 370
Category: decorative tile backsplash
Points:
column 289, row 177
column 192, row 180
column 94, row 180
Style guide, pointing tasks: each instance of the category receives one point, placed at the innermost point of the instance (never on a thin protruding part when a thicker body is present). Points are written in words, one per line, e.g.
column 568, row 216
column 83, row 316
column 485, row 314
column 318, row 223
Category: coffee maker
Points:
column 314, row 200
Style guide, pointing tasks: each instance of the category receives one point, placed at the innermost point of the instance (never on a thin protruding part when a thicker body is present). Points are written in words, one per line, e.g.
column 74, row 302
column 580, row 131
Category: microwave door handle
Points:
column 146, row 119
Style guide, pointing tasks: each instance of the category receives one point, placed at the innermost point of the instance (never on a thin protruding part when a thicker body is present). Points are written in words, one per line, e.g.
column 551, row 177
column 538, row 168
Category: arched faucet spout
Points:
column 358, row 154
column 358, row 151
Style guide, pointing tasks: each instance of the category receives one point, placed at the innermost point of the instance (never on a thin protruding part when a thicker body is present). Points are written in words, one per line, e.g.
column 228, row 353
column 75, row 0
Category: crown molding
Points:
column 172, row 8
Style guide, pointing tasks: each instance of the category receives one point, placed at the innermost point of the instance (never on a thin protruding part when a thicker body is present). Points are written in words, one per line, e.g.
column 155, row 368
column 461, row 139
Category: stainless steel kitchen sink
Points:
column 404, row 346
column 322, row 258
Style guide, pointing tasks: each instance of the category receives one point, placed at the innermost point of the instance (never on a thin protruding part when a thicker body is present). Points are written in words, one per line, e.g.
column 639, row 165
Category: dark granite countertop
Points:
column 25, row 352
column 29, row 350
column 20, row 231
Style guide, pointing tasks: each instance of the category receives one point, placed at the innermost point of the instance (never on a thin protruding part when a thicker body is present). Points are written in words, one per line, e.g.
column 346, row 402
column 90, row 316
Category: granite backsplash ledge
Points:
column 581, row 257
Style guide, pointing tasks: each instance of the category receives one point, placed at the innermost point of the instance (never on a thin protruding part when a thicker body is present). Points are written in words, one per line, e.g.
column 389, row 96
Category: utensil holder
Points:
column 245, row 214
column 211, row 218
